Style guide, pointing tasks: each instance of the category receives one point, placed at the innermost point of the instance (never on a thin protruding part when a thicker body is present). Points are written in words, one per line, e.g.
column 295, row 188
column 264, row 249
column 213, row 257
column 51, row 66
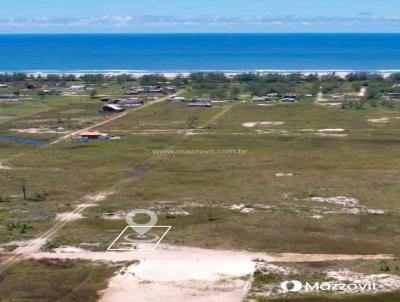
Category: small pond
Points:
column 20, row 139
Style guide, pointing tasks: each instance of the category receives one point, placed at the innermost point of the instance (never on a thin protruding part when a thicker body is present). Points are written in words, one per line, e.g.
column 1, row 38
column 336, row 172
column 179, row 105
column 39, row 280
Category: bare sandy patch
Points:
column 263, row 265
column 379, row 120
column 384, row 119
column 283, row 174
column 4, row 167
column 266, row 123
column 30, row 246
column 69, row 216
column 344, row 205
column 123, row 288
column 385, row 282
column 266, row 105
column 99, row 197
column 362, row 92
column 331, row 104
column 87, row 205
column 307, row 130
column 177, row 212
column 331, row 130
column 242, row 208
column 272, row 131
column 339, row 200
column 68, row 249
column 40, row 130
column 333, row 134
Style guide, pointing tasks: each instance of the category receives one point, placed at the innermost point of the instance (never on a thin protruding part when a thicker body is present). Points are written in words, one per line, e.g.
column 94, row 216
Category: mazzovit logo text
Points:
column 295, row 286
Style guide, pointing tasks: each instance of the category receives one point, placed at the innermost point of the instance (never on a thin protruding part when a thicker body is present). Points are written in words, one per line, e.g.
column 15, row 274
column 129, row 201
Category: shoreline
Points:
column 185, row 73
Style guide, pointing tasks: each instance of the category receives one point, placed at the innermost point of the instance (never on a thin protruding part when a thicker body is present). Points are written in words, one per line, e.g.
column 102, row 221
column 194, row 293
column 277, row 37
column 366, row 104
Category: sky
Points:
column 188, row 16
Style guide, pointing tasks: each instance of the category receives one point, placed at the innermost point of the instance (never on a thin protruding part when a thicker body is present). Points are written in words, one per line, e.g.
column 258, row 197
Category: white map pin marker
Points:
column 141, row 229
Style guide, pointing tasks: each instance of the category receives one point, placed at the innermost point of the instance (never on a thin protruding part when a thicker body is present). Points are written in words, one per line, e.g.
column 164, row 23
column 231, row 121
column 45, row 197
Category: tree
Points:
column 316, row 86
column 383, row 266
column 152, row 79
column 395, row 76
column 219, row 93
column 372, row 92
column 235, row 92
column 179, row 80
column 93, row 93
column 122, row 78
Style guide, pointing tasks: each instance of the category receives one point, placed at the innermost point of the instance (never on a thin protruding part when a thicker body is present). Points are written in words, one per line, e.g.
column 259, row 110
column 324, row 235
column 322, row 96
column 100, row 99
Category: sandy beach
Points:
column 173, row 74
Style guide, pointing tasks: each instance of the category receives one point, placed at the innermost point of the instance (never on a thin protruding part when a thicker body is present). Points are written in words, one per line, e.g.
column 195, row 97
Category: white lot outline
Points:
column 133, row 227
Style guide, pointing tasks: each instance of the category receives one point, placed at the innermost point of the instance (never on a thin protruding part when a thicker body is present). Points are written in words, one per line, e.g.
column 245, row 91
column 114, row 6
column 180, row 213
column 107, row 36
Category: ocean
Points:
column 194, row 52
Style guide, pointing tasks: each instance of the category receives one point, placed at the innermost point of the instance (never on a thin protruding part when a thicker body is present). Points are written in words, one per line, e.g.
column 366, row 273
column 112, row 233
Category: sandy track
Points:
column 166, row 252
column 216, row 117
column 320, row 98
column 109, row 120
column 34, row 245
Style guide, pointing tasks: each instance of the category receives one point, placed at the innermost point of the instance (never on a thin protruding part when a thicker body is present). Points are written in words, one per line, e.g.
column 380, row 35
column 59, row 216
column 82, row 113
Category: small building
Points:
column 133, row 102
column 339, row 97
column 199, row 104
column 94, row 135
column 77, row 87
column 273, row 95
column 11, row 96
column 202, row 100
column 289, row 96
column 112, row 108
column 3, row 85
column 155, row 90
column 50, row 92
column 78, row 139
column 260, row 98
column 132, row 92
column 52, row 84
column 170, row 88
column 177, row 100
column 106, row 100
column 152, row 89
column 31, row 86
column 287, row 100
column 135, row 90
column 394, row 95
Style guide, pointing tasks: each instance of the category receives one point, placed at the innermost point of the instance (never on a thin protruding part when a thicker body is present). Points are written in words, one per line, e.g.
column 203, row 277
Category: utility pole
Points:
column 23, row 189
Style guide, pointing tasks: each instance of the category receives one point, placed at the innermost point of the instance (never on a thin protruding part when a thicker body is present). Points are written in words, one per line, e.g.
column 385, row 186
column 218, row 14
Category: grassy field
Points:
column 362, row 165
column 54, row 280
